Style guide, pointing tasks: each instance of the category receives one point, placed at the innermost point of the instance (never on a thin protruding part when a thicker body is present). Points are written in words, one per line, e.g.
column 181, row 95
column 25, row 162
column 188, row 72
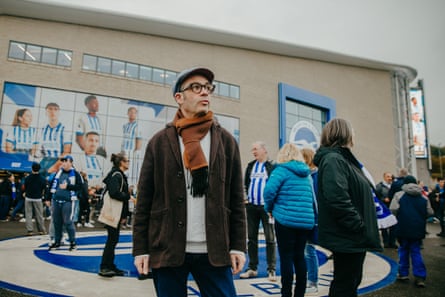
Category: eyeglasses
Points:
column 197, row 88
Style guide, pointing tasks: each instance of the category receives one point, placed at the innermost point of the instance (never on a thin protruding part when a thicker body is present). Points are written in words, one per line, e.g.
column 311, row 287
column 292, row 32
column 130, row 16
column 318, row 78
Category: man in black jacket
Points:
column 382, row 191
column 34, row 188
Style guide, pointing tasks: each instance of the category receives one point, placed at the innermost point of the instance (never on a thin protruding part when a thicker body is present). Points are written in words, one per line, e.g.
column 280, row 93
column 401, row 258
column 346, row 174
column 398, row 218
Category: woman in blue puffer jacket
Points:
column 289, row 197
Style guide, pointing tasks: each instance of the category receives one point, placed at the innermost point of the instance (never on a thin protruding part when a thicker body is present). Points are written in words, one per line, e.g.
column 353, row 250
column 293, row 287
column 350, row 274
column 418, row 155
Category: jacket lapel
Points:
column 173, row 140
column 214, row 145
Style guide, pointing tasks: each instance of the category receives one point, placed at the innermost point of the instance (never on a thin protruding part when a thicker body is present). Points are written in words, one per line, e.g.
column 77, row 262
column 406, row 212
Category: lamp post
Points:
column 440, row 159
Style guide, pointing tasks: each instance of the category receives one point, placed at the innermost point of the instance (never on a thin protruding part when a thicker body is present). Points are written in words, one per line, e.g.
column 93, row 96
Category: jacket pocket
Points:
column 158, row 229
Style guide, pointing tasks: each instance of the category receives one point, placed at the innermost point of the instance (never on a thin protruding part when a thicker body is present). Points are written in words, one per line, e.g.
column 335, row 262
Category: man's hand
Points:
column 238, row 261
column 141, row 263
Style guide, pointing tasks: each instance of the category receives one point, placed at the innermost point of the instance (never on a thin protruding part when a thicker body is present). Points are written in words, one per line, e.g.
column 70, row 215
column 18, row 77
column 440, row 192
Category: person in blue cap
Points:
column 190, row 213
column 64, row 188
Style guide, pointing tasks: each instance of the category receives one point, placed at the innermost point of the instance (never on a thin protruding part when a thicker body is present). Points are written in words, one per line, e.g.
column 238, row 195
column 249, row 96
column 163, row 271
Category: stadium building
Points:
column 53, row 57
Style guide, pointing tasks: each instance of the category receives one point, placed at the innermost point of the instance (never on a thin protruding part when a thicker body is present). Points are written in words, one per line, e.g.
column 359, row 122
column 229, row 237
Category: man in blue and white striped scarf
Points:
column 64, row 187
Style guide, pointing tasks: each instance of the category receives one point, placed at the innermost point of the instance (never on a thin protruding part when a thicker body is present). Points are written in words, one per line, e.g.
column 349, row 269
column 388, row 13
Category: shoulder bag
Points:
column 111, row 211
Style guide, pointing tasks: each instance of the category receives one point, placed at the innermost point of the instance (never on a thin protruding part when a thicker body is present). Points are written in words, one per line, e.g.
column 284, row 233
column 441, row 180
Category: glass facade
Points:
column 297, row 111
column 147, row 73
column 39, row 54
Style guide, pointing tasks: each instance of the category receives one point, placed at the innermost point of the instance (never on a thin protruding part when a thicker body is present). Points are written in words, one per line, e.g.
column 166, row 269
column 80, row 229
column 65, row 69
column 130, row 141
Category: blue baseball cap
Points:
column 190, row 72
column 67, row 157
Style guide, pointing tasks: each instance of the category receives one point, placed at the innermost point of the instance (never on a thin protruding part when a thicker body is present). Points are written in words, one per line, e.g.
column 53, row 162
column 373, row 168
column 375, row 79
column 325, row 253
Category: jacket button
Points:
column 180, row 224
column 179, row 174
column 181, row 199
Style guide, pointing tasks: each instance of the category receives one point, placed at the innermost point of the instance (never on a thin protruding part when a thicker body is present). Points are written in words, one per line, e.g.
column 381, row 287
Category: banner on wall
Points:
column 417, row 111
column 42, row 124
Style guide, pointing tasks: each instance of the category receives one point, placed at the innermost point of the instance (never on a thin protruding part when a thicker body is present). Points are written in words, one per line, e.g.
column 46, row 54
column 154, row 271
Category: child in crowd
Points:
column 412, row 210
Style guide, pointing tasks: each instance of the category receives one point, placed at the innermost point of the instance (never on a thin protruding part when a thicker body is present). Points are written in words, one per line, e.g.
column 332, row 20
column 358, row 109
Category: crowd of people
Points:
column 196, row 214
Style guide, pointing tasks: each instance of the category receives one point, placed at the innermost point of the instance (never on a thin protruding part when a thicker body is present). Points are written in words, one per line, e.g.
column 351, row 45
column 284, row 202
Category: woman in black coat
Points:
column 347, row 214
column 117, row 187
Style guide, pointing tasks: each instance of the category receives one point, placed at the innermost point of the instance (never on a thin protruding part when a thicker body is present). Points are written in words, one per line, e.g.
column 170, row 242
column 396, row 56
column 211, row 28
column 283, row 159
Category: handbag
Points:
column 111, row 211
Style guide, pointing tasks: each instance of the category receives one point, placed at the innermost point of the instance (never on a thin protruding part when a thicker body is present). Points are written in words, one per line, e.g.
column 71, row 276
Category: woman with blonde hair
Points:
column 288, row 197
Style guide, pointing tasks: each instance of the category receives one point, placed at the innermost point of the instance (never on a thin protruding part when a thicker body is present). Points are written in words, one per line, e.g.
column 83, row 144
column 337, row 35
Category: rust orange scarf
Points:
column 192, row 131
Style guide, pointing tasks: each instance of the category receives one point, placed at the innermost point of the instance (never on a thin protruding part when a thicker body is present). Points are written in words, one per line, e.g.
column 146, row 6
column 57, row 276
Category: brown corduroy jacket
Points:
column 159, row 227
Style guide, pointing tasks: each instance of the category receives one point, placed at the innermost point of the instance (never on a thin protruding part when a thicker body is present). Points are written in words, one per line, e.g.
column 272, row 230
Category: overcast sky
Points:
column 406, row 32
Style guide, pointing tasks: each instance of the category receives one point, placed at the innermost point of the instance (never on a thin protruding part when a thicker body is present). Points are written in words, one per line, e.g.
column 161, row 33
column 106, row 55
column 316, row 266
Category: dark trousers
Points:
column 389, row 236
column 110, row 246
column 291, row 245
column 348, row 272
column 255, row 215
column 440, row 215
column 212, row 281
column 5, row 204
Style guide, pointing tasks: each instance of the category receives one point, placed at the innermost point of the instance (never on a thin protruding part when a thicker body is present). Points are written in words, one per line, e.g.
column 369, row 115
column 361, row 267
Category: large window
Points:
column 39, row 54
column 303, row 115
column 147, row 73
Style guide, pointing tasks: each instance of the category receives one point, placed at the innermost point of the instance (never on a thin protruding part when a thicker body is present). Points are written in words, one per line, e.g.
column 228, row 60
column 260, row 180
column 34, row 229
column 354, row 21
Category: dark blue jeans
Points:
column 63, row 213
column 19, row 207
column 410, row 248
column 255, row 215
column 212, row 281
column 291, row 245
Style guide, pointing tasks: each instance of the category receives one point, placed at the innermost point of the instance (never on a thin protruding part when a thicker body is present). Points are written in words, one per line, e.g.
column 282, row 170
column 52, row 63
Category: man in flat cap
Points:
column 190, row 215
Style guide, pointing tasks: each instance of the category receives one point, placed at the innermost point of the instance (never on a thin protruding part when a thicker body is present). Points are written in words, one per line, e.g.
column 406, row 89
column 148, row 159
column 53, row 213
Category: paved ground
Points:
column 434, row 256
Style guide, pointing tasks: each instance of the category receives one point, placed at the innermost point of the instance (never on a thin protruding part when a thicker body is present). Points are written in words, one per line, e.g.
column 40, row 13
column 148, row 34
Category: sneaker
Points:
column 73, row 246
column 311, row 290
column 403, row 278
column 89, row 225
column 420, row 283
column 54, row 246
column 118, row 272
column 79, row 225
column 249, row 273
column 272, row 276
column 22, row 220
column 105, row 272
column 29, row 233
